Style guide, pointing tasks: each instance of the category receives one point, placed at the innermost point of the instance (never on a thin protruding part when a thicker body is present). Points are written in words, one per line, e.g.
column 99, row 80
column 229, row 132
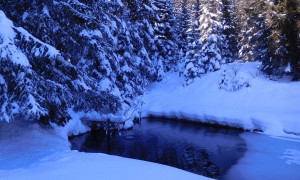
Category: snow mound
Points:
column 233, row 80
column 253, row 103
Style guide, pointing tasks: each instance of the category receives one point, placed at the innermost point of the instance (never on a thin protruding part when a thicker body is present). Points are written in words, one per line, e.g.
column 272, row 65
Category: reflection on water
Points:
column 201, row 150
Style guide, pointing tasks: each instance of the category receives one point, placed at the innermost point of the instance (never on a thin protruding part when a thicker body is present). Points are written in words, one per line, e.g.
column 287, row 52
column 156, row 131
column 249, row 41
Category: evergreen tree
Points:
column 277, row 44
column 282, row 18
column 193, row 67
column 205, row 49
column 183, row 17
column 292, row 29
column 211, row 34
column 229, row 24
column 193, row 54
column 165, row 37
column 253, row 32
column 194, row 26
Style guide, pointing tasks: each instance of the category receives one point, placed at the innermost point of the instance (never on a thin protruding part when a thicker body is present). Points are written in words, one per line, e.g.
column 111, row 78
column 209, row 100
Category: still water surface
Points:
column 202, row 150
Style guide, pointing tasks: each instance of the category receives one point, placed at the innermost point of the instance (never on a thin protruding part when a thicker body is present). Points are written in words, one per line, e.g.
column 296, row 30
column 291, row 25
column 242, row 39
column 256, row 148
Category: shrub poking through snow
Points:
column 233, row 80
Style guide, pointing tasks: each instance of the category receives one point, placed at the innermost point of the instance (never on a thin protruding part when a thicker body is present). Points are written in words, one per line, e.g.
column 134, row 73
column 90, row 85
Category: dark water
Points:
column 202, row 150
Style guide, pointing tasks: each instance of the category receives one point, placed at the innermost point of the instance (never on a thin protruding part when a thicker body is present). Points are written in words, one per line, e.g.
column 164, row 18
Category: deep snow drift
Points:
column 238, row 95
column 30, row 152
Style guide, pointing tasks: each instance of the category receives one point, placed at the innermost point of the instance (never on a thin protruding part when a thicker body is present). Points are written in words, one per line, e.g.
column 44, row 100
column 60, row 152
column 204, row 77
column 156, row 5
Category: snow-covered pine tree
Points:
column 282, row 18
column 253, row 34
column 140, row 15
column 165, row 38
column 39, row 84
column 275, row 39
column 90, row 79
column 183, row 17
column 193, row 67
column 246, row 28
column 211, row 34
column 292, row 30
column 229, row 24
column 194, row 54
column 193, row 32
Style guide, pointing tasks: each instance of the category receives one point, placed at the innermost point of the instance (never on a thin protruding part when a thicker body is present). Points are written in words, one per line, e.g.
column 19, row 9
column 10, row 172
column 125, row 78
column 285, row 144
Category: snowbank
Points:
column 74, row 165
column 244, row 99
column 30, row 152
column 77, row 124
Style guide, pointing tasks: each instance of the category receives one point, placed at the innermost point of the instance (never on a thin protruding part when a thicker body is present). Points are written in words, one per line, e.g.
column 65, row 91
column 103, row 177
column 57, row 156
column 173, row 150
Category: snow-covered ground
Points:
column 30, row 152
column 240, row 97
column 267, row 158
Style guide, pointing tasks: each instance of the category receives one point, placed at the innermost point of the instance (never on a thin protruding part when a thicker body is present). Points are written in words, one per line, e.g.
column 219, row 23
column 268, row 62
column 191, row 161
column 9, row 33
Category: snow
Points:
column 82, row 84
column 6, row 30
column 50, row 50
column 128, row 124
column 73, row 127
column 34, row 107
column 265, row 105
column 74, row 165
column 267, row 158
column 2, row 81
column 25, row 155
column 288, row 68
column 91, row 33
column 77, row 124
column 292, row 156
column 105, row 84
column 108, row 32
column 46, row 11
column 120, row 3
column 7, row 47
column 3, row 112
column 24, row 16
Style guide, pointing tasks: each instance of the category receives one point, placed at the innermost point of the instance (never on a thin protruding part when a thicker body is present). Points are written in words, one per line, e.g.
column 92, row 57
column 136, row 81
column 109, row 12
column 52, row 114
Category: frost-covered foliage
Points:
column 270, row 33
column 165, row 37
column 211, row 34
column 229, row 33
column 40, row 84
column 233, row 80
column 85, row 55
column 193, row 62
column 183, row 16
column 205, row 52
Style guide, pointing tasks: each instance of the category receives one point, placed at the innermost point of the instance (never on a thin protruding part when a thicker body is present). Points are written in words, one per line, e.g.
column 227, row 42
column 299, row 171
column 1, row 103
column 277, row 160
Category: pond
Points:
column 220, row 153
column 202, row 150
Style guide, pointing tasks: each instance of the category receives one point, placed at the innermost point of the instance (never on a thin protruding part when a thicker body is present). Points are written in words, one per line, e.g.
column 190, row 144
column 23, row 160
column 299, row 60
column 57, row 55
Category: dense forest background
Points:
column 101, row 54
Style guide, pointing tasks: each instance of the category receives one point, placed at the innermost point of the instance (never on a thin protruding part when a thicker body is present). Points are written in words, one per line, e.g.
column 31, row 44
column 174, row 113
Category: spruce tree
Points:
column 210, row 34
column 229, row 33
column 165, row 37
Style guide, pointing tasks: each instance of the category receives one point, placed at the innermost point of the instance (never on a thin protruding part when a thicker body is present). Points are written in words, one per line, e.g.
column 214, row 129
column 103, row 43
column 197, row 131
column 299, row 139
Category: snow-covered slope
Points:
column 241, row 97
